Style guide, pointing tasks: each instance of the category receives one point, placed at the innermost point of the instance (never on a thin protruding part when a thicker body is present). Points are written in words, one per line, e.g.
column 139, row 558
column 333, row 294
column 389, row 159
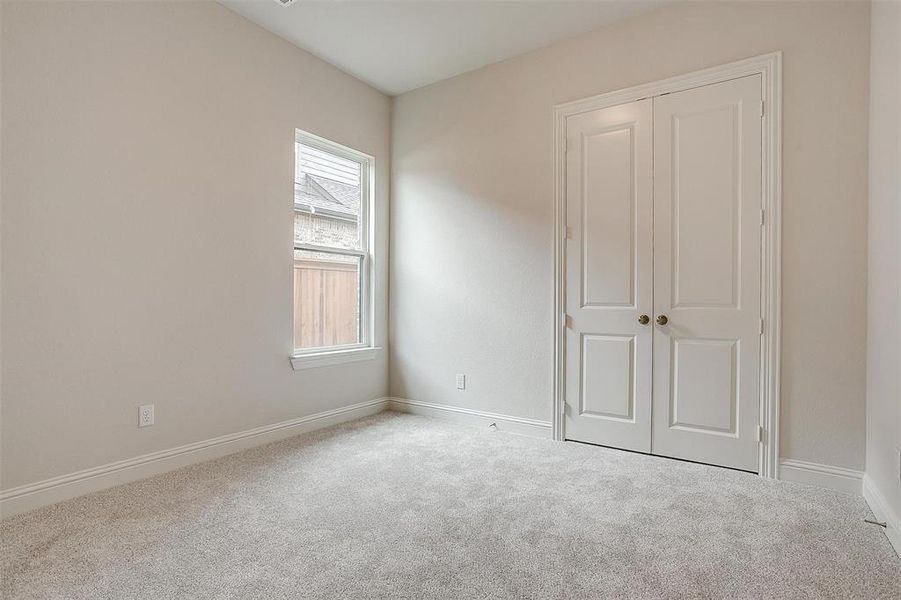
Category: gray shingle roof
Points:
column 327, row 196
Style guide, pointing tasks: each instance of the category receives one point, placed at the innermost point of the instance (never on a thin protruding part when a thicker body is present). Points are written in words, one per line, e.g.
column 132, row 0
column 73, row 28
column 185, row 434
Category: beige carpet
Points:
column 398, row 506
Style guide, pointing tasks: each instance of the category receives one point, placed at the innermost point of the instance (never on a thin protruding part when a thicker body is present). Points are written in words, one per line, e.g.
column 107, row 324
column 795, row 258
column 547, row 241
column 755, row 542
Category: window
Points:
column 332, row 259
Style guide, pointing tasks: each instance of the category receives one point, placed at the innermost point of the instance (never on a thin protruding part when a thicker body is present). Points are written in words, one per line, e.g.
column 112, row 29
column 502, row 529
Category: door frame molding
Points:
column 769, row 67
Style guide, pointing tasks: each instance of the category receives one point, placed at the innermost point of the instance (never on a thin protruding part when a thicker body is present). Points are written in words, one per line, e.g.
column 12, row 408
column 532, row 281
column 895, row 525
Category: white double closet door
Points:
column 663, row 205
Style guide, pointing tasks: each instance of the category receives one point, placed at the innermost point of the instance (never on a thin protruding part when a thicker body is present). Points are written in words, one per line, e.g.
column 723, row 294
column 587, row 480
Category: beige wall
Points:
column 472, row 210
column 147, row 223
column 884, row 297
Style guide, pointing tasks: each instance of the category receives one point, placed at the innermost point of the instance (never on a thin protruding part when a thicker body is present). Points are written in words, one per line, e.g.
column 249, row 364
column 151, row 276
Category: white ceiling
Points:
column 397, row 46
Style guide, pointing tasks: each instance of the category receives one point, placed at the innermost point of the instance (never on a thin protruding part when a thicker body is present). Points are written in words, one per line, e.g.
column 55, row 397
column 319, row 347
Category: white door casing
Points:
column 707, row 259
column 769, row 68
column 609, row 246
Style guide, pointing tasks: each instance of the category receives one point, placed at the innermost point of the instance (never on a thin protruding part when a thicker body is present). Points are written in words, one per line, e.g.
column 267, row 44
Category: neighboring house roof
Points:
column 327, row 197
column 326, row 184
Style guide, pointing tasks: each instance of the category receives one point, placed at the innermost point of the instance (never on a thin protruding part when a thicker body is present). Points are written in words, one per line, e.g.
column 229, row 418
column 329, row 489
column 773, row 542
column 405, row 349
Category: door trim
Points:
column 769, row 67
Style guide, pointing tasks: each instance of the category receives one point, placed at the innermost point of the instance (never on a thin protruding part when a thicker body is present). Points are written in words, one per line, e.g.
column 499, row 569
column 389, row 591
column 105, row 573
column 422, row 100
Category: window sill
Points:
column 332, row 357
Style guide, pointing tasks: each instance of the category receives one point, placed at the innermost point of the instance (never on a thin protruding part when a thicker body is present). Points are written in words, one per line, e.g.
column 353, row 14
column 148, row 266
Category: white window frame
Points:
column 304, row 358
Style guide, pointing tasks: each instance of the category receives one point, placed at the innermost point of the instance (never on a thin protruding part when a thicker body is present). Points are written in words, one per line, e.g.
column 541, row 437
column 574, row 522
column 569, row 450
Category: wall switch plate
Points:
column 145, row 415
column 461, row 381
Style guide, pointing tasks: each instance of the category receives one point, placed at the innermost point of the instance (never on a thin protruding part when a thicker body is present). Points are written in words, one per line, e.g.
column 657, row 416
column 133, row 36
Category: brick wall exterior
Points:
column 325, row 231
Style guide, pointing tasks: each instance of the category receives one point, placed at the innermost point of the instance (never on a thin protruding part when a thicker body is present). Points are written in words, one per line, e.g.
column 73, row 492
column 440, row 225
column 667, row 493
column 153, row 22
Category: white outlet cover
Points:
column 145, row 415
column 461, row 381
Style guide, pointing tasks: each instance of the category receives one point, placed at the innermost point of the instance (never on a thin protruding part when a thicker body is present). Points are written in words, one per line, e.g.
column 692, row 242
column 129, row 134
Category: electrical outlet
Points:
column 461, row 381
column 145, row 415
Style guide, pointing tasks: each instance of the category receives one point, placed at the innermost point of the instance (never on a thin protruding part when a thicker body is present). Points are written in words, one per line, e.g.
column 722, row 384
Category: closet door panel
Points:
column 707, row 236
column 609, row 276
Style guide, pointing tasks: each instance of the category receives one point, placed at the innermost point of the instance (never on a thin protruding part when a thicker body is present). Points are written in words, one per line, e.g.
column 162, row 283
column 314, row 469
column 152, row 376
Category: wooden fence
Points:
column 326, row 303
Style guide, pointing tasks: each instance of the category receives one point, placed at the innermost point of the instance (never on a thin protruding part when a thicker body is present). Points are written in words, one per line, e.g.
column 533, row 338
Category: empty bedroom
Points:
column 463, row 299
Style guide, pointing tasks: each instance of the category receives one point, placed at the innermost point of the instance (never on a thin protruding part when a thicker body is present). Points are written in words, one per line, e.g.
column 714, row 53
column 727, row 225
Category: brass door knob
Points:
column 644, row 319
column 662, row 320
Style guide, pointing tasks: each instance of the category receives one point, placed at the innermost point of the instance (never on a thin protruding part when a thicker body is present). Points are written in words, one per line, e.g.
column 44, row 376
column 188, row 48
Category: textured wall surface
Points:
column 148, row 167
column 473, row 210
column 884, row 297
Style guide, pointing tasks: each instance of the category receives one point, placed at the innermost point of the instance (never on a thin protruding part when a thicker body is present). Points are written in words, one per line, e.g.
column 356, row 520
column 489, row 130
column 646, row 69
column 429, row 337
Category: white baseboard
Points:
column 34, row 495
column 883, row 512
column 510, row 424
column 825, row 476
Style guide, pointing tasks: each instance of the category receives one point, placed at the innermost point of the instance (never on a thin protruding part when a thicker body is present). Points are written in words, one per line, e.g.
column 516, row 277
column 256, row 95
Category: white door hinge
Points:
column 761, row 327
column 760, row 433
column 567, row 321
column 761, row 108
column 762, row 216
column 568, row 232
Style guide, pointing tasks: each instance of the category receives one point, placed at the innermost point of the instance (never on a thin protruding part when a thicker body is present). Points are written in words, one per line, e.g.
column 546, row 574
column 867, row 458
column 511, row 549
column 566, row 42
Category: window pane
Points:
column 327, row 199
column 326, row 299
